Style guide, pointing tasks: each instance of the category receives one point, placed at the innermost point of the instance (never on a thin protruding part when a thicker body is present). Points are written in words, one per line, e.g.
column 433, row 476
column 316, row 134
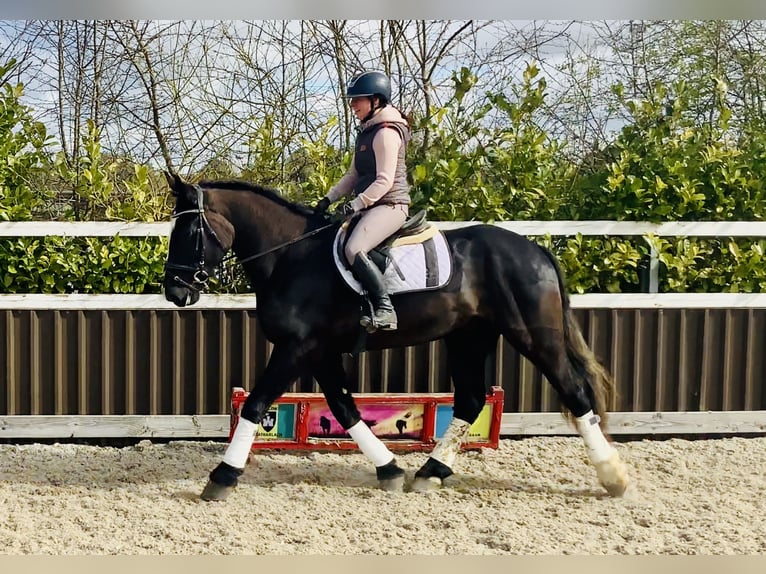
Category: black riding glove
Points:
column 322, row 206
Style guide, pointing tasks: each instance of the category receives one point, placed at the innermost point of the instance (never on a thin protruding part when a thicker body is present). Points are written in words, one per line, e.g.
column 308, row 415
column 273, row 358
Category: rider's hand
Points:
column 322, row 206
column 343, row 212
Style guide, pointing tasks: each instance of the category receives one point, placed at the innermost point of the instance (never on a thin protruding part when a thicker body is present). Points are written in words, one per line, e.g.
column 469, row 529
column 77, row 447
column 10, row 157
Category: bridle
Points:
column 201, row 276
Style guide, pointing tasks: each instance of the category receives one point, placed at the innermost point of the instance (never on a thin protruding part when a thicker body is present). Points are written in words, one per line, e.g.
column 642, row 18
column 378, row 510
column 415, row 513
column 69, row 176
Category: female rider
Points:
column 377, row 178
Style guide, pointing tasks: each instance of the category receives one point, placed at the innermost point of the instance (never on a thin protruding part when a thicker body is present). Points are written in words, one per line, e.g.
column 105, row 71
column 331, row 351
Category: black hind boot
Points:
column 368, row 274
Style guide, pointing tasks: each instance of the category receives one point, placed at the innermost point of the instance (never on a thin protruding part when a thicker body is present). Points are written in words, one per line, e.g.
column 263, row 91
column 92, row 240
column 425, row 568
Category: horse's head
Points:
column 198, row 242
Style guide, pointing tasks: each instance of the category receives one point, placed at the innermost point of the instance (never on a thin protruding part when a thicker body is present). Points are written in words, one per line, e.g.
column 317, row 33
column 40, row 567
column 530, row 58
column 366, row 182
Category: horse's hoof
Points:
column 214, row 492
column 395, row 484
column 613, row 475
column 390, row 477
column 426, row 484
column 431, row 476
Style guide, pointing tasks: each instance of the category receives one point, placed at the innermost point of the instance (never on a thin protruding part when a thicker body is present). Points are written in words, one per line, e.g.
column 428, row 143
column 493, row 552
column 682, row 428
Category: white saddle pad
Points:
column 424, row 266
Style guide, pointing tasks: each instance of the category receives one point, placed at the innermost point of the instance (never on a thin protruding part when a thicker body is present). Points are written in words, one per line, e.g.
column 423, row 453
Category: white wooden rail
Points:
column 75, row 301
column 562, row 228
column 531, row 228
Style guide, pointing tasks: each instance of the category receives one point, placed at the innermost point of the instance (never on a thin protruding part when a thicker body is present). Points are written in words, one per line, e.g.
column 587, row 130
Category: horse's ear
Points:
column 174, row 181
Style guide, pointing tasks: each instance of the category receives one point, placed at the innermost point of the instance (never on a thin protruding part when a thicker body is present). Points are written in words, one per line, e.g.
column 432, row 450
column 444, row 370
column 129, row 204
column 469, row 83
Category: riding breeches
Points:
column 374, row 226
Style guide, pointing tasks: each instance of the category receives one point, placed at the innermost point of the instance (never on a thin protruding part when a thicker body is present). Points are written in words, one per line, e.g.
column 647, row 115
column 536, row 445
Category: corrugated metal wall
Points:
column 147, row 362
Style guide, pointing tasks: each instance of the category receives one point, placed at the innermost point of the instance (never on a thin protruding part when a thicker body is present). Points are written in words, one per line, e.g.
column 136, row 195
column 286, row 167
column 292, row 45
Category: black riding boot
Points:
column 368, row 274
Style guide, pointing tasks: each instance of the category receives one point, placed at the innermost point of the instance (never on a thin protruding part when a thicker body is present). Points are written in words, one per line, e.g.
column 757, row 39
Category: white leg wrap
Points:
column 599, row 449
column 447, row 448
column 370, row 445
column 241, row 443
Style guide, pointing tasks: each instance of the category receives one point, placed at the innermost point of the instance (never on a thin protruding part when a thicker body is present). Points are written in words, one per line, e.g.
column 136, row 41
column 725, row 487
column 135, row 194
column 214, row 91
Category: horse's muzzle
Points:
column 179, row 295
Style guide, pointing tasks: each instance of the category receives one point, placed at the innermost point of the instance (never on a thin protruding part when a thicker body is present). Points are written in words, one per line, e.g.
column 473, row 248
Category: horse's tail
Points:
column 599, row 384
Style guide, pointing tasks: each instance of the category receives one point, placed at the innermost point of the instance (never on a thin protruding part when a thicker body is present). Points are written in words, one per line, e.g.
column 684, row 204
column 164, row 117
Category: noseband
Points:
column 201, row 276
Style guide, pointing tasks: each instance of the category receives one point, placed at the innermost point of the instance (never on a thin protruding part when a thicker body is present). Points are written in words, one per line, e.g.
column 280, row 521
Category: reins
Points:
column 277, row 247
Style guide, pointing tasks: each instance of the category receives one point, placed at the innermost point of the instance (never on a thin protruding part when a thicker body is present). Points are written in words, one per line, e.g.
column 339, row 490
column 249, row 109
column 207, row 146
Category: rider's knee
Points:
column 351, row 252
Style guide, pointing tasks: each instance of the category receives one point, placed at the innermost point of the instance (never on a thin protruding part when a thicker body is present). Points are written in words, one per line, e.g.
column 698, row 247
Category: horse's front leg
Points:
column 286, row 364
column 331, row 376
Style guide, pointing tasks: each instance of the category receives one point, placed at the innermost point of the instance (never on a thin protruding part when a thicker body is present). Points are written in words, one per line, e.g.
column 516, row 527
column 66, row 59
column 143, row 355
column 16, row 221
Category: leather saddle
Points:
column 415, row 229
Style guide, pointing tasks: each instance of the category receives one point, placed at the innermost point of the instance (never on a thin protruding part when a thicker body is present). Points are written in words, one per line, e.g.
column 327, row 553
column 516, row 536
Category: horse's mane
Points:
column 267, row 192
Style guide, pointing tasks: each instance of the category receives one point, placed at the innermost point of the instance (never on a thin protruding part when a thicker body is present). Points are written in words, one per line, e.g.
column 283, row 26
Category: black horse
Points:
column 501, row 284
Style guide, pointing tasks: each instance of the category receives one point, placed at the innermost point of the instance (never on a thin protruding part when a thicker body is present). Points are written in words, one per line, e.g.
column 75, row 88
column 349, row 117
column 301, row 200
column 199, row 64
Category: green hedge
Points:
column 82, row 265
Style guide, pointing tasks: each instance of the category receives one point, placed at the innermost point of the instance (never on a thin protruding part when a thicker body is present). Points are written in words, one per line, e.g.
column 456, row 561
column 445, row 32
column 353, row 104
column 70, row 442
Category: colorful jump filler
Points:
column 401, row 421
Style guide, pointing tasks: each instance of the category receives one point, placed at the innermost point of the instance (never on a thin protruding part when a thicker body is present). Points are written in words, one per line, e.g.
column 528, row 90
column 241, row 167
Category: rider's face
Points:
column 361, row 106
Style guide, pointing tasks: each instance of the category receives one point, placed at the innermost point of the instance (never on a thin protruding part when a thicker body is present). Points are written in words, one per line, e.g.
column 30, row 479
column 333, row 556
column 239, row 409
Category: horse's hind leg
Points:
column 467, row 351
column 581, row 383
column 331, row 376
column 584, row 367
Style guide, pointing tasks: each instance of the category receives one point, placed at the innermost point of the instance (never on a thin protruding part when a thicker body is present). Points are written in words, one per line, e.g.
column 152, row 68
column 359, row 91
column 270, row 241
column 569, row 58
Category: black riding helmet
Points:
column 370, row 84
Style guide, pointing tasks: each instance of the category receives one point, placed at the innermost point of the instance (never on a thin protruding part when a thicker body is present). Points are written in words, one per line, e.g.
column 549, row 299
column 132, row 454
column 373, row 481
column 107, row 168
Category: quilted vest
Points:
column 364, row 162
